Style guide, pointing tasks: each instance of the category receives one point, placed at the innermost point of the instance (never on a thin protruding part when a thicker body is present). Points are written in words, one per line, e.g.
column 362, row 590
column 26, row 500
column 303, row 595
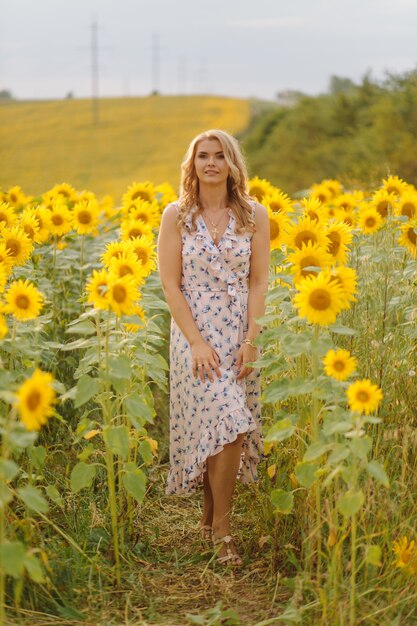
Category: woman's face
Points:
column 210, row 163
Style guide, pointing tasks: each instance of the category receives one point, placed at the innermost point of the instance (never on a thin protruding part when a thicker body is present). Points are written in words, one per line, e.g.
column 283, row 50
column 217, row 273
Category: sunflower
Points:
column 406, row 552
column 85, row 216
column 277, row 224
column 4, row 273
column 363, row 396
column 63, row 191
column 321, row 193
column 123, row 295
column 313, row 208
column 383, row 202
column 320, row 299
column 3, row 327
column 23, row 300
column 259, row 187
column 107, row 206
column 8, row 216
column 133, row 328
column 347, row 278
column 29, row 224
column 395, row 185
column 61, row 219
column 115, row 249
column 165, row 194
column 145, row 250
column 43, row 218
column 303, row 231
column 347, row 216
column 6, row 259
column 142, row 191
column 35, row 399
column 127, row 264
column 339, row 235
column 278, row 201
column 339, row 364
column 406, row 205
column 16, row 197
column 17, row 244
column 309, row 255
column 134, row 228
column 369, row 220
column 334, row 186
column 148, row 212
column 97, row 289
column 408, row 236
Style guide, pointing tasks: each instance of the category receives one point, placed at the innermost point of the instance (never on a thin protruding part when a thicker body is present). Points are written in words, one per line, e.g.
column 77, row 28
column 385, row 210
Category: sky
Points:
column 242, row 48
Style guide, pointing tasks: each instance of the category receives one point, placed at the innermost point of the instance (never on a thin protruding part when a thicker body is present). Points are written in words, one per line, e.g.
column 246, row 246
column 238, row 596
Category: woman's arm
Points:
column 258, row 286
column 169, row 262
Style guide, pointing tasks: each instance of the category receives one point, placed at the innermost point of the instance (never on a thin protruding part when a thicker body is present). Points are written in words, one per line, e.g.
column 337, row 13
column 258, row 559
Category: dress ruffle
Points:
column 186, row 479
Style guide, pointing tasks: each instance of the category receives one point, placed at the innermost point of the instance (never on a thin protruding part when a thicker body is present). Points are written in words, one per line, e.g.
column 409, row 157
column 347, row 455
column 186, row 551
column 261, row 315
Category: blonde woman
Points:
column 213, row 251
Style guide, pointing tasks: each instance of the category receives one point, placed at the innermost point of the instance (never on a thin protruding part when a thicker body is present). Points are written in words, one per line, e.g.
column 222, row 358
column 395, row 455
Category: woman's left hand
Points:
column 246, row 354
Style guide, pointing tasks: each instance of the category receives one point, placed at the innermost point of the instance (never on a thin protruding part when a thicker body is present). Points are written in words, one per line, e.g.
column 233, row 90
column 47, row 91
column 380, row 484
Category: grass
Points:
column 44, row 143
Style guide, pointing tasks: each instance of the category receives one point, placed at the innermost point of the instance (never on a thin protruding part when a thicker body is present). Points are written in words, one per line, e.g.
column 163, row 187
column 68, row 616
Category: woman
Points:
column 213, row 251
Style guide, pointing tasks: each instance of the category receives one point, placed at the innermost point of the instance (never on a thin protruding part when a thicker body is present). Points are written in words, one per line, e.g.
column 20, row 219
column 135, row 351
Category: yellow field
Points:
column 44, row 143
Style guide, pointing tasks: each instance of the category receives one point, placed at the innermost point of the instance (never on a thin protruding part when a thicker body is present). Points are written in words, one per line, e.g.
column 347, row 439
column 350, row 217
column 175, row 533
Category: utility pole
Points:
column 155, row 63
column 94, row 74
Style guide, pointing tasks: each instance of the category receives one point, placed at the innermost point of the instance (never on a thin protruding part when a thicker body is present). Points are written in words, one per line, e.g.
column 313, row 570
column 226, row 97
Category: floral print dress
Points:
column 205, row 416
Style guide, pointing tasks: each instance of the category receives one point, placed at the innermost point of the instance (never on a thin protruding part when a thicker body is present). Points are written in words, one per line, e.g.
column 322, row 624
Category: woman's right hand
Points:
column 204, row 361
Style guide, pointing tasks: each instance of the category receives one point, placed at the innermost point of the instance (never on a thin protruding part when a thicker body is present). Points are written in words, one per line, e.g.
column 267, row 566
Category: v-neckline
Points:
column 208, row 234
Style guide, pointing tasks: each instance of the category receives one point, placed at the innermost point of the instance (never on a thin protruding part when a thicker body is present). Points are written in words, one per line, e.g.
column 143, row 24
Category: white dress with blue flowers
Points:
column 205, row 416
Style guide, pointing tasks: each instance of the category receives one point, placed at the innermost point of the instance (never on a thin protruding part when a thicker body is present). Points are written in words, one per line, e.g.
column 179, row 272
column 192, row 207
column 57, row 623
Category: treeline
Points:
column 357, row 133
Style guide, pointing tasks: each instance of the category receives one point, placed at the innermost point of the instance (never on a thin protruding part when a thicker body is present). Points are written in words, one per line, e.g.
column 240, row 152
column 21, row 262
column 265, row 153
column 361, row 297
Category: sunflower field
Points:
column 87, row 534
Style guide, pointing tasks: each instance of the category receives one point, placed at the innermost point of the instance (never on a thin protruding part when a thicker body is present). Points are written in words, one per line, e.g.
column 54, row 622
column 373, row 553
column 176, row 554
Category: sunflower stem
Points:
column 82, row 262
column 352, row 602
column 314, row 437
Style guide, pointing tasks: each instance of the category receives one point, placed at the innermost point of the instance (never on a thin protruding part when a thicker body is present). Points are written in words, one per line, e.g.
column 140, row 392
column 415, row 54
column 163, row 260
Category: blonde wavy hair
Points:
column 238, row 197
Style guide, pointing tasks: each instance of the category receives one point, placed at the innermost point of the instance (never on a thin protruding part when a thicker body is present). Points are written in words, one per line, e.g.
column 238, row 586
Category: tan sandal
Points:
column 229, row 557
column 206, row 532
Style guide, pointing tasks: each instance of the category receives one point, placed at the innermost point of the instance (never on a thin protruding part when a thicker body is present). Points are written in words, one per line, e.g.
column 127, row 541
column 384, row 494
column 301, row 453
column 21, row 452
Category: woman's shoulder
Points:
column 259, row 210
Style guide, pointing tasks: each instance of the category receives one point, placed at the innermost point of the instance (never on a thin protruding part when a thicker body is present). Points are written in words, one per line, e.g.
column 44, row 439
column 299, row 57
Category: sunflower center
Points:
column 101, row 289
column 22, row 301
column 362, row 396
column 320, row 299
column 135, row 232
column 313, row 215
column 309, row 261
column 119, row 293
column 84, row 217
column 276, row 207
column 382, row 208
column 13, row 246
column 3, row 218
column 125, row 269
column 412, row 236
column 339, row 366
column 140, row 194
column 274, row 229
column 370, row 222
column 408, row 209
column 257, row 192
column 33, row 400
column 29, row 230
column 13, row 197
column 142, row 216
column 142, row 255
column 348, row 220
column 335, row 241
column 57, row 219
column 305, row 236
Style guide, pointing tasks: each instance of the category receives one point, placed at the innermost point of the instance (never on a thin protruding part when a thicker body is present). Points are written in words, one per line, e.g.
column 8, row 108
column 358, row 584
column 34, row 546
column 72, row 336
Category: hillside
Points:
column 46, row 142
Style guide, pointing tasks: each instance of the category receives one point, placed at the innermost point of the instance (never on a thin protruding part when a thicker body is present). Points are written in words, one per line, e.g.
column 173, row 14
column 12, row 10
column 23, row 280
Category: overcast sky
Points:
column 226, row 47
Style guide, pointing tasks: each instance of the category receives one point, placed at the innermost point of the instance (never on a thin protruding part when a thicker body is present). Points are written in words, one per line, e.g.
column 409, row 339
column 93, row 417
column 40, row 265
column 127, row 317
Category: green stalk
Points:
column 82, row 262
column 353, row 573
column 3, row 509
column 314, row 437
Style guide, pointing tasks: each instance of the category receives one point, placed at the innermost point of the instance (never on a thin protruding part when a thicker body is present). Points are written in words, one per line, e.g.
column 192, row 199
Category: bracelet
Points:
column 249, row 343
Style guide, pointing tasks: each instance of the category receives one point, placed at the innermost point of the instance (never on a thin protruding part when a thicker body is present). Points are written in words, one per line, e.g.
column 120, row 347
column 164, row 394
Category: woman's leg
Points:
column 207, row 517
column 222, row 472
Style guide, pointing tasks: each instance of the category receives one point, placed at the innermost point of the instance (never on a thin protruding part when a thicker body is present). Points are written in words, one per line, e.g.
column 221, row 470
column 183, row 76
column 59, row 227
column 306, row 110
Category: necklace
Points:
column 215, row 231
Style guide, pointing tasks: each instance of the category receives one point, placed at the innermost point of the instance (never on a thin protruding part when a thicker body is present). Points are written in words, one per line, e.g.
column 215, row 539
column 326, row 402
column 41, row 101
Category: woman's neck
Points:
column 213, row 198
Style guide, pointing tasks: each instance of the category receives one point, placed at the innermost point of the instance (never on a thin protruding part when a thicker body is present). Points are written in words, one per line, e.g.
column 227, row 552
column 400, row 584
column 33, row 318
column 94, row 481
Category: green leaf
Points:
column 316, row 450
column 34, row 568
column 138, row 409
column 82, row 328
column 340, row 452
column 82, row 476
column 87, row 387
column 373, row 555
column 294, row 344
column 33, row 498
column 305, row 473
column 335, row 428
column 283, row 389
column 21, row 438
column 117, row 440
column 350, row 503
column 283, row 501
column 377, row 471
column 12, row 555
column 37, row 455
column 6, row 495
column 53, row 493
column 281, row 430
column 145, row 451
column 8, row 469
column 120, row 367
column 134, row 481
column 339, row 329
column 361, row 447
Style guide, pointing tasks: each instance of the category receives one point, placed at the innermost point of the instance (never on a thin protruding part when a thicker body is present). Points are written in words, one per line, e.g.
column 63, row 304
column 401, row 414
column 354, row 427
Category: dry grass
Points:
column 43, row 143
